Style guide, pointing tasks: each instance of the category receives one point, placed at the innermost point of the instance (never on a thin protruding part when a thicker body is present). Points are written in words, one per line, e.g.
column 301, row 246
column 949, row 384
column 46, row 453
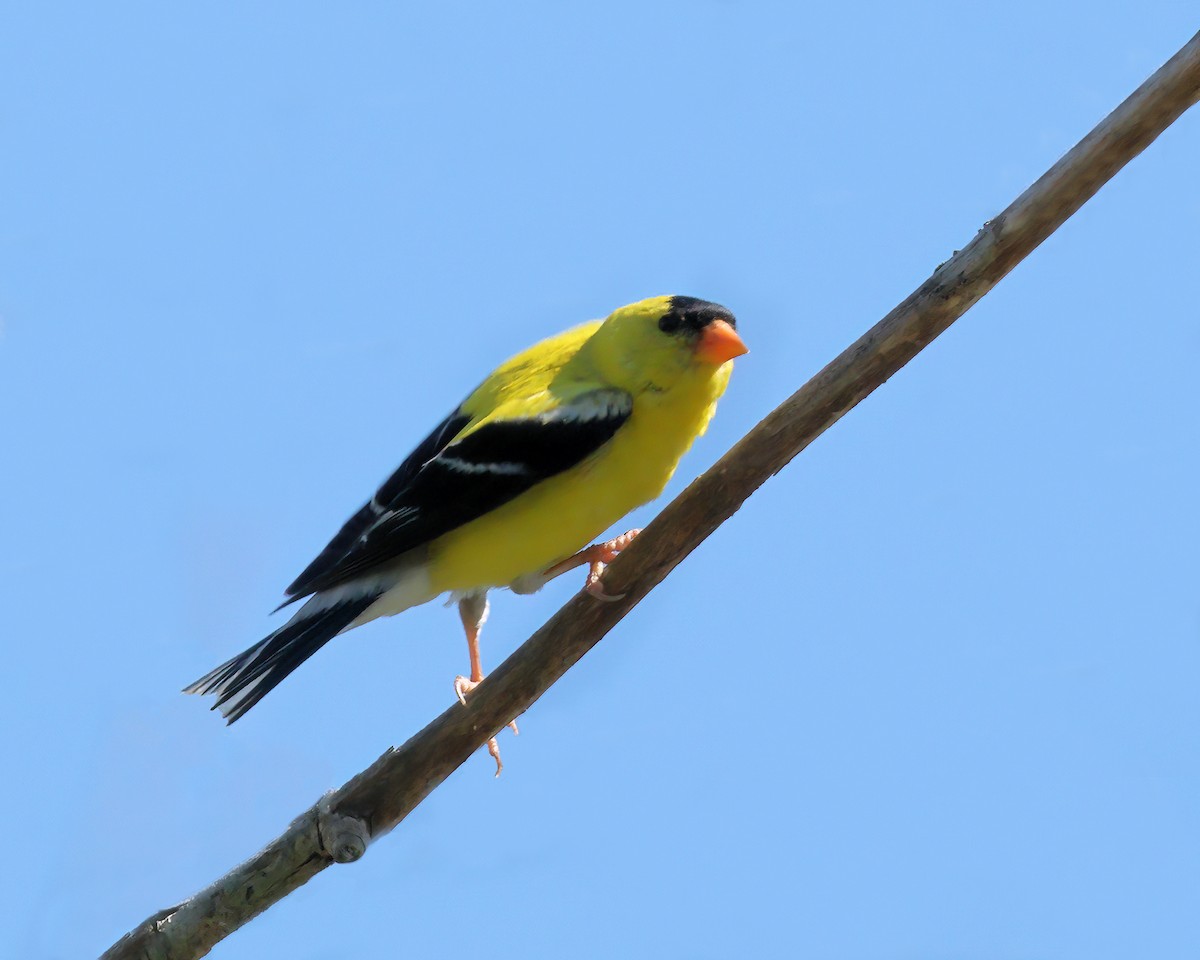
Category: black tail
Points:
column 241, row 682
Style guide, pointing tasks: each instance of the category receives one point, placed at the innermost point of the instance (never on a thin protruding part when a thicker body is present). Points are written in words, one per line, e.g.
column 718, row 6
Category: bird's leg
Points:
column 473, row 609
column 595, row 556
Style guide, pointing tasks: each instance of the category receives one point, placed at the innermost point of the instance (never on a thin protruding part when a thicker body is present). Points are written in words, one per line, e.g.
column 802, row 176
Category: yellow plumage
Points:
column 672, row 405
column 555, row 446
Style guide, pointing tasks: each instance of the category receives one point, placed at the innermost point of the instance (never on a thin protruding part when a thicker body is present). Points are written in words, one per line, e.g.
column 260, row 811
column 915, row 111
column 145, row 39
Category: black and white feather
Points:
column 372, row 566
column 455, row 477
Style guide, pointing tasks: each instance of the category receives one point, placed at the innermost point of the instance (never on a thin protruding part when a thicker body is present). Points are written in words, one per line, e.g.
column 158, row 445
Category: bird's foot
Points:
column 462, row 687
column 597, row 556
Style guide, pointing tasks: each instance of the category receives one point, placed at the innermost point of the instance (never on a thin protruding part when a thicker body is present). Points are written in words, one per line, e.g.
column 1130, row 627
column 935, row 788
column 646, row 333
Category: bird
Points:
column 554, row 447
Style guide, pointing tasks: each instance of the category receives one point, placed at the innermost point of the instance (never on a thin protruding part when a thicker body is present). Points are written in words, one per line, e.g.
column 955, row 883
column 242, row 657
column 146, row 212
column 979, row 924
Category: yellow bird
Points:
column 550, row 450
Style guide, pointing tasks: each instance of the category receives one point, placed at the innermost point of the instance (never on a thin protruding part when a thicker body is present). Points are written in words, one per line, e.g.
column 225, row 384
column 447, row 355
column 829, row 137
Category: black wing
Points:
column 376, row 507
column 443, row 485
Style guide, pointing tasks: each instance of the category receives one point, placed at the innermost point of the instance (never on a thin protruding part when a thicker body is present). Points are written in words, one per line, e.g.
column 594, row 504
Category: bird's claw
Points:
column 494, row 750
column 597, row 556
column 462, row 687
column 593, row 587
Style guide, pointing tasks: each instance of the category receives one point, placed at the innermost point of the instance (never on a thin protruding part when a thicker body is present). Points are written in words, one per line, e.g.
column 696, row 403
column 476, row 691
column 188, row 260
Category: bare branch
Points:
column 340, row 826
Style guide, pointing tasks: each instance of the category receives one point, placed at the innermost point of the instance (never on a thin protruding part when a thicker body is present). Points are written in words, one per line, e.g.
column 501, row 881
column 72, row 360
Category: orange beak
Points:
column 720, row 343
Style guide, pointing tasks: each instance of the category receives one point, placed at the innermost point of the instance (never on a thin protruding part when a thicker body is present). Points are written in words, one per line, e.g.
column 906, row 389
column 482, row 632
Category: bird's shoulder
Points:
column 546, row 375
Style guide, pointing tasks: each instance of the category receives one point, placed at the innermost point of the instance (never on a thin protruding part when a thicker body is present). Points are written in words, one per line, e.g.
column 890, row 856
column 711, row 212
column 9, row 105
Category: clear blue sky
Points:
column 931, row 694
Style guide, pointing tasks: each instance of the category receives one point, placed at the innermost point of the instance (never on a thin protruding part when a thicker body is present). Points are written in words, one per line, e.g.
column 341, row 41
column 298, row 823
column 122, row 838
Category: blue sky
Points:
column 930, row 694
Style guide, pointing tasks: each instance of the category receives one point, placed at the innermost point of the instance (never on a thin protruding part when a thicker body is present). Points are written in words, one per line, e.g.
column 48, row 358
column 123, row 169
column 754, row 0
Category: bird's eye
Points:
column 670, row 322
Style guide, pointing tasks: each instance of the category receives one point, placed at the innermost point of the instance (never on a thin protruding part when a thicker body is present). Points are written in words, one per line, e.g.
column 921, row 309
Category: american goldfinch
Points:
column 550, row 450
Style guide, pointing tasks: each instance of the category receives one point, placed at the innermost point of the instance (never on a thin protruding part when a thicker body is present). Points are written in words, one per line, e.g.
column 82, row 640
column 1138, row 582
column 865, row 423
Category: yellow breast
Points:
column 561, row 515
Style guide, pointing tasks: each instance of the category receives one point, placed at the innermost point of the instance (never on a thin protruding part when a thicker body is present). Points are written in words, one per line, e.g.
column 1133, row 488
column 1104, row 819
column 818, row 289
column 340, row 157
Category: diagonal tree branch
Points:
column 339, row 828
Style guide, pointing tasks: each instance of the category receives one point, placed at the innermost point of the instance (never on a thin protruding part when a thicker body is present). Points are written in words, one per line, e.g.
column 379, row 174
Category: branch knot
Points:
column 343, row 838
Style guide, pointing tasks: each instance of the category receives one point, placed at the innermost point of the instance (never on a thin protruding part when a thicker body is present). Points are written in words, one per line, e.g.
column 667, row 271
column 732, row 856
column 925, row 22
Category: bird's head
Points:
column 656, row 342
